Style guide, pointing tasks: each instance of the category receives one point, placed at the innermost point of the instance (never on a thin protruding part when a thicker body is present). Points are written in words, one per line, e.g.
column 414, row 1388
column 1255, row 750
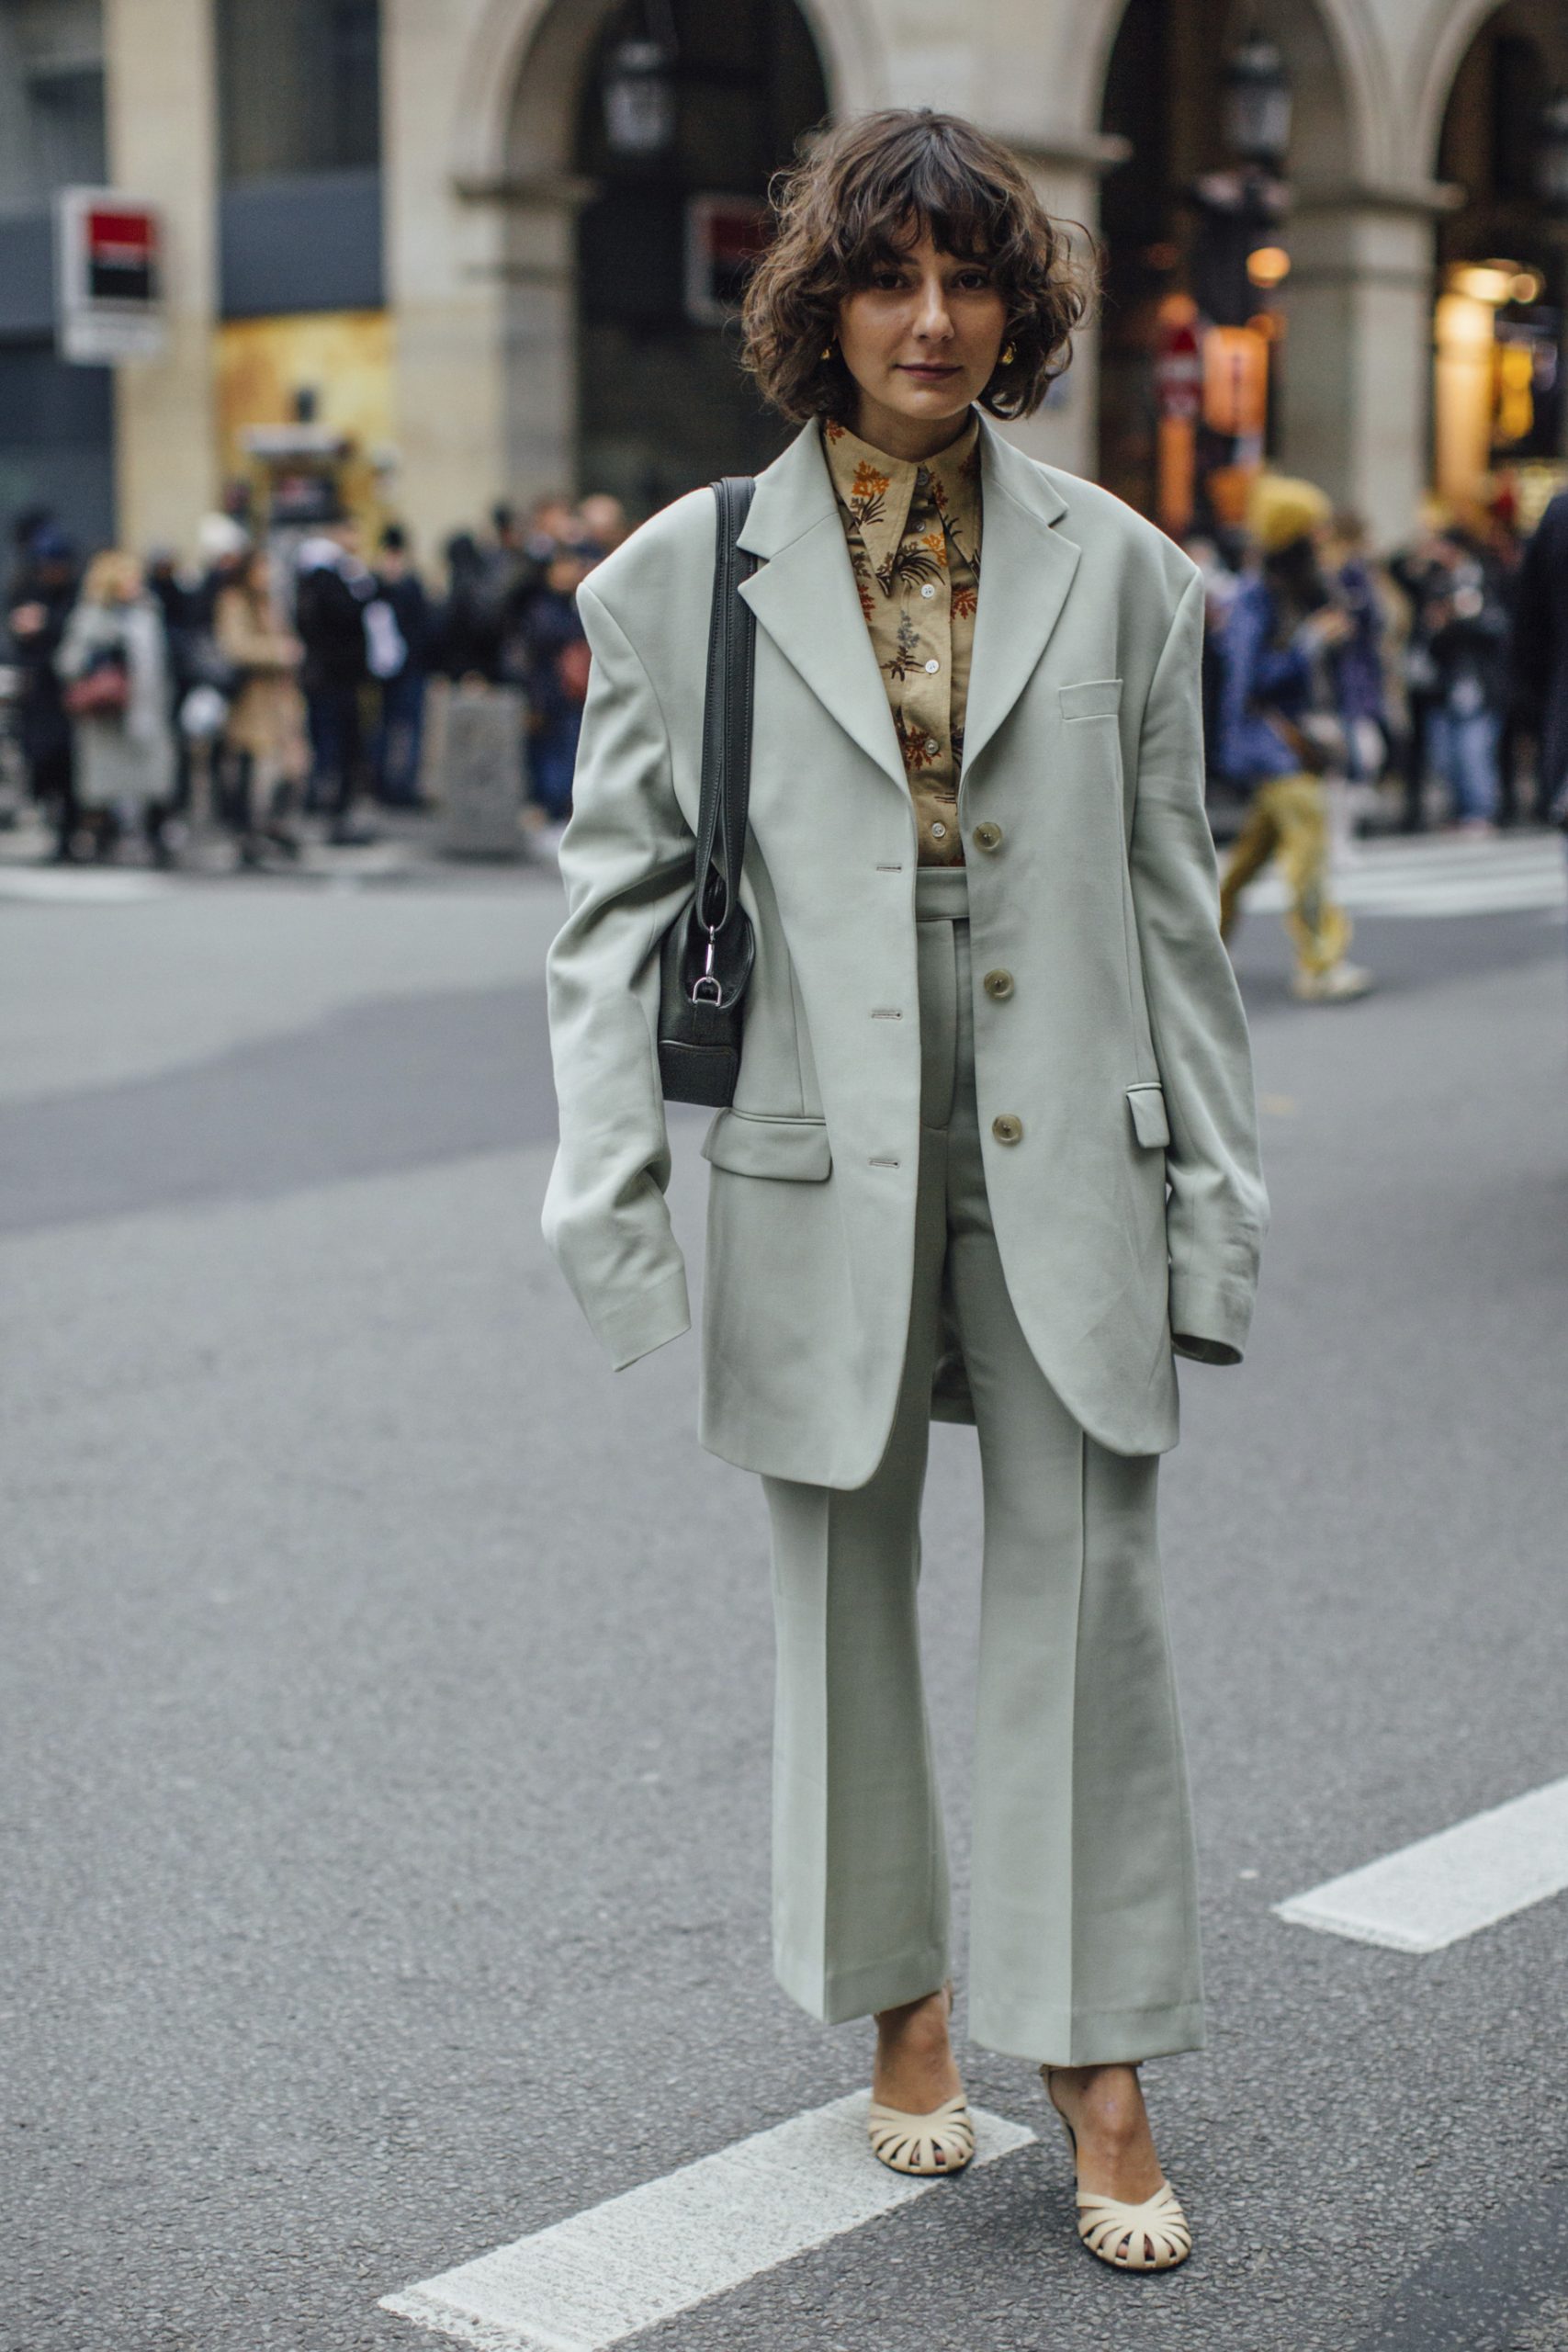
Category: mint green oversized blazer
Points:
column 1132, row 1203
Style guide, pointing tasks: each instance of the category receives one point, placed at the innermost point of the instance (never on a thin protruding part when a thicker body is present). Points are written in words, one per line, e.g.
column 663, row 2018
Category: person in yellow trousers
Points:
column 1271, row 653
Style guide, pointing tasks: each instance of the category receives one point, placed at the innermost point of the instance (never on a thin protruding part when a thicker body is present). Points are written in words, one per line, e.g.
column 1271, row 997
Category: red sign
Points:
column 1178, row 374
column 725, row 235
column 122, row 254
column 109, row 276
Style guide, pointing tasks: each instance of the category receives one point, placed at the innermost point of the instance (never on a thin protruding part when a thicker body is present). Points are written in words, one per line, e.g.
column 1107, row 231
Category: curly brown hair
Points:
column 868, row 190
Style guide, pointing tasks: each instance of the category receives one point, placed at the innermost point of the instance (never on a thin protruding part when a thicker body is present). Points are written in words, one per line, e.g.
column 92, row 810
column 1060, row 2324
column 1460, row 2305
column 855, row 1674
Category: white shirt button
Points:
column 927, row 589
column 938, row 830
column 931, row 669
column 933, row 747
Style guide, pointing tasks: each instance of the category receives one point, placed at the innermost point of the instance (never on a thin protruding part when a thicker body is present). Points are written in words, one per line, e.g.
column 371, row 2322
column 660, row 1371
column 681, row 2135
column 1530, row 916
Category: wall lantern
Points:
column 1256, row 103
column 640, row 94
column 1552, row 155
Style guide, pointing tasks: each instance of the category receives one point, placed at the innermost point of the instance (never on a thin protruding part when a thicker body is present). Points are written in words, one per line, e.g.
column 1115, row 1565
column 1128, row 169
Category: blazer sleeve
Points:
column 1217, row 1211
column 627, row 861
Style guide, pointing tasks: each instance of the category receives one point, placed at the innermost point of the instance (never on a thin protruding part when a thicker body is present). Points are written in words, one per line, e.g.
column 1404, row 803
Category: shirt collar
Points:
column 876, row 488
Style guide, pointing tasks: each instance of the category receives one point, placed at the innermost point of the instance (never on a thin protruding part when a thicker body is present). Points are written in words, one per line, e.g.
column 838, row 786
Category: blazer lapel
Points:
column 804, row 595
column 1026, row 570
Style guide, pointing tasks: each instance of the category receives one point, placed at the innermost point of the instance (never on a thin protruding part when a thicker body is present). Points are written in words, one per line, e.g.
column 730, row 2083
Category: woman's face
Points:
column 922, row 341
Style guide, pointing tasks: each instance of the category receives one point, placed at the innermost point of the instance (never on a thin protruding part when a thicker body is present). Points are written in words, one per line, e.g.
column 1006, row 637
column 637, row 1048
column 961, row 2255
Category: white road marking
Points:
column 638, row 2259
column 1513, row 874
column 1449, row 1886
column 57, row 885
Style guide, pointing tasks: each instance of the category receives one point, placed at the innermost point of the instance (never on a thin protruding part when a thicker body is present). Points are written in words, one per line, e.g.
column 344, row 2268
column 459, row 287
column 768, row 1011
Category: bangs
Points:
column 929, row 191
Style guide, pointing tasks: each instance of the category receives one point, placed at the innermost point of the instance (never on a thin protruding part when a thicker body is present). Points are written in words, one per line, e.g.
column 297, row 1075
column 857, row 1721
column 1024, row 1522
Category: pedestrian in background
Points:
column 1357, row 665
column 399, row 731
column 114, row 663
column 264, row 735
column 1540, row 653
column 555, row 679
column 468, row 628
column 1273, row 686
column 1417, row 571
column 334, row 587
column 942, row 1185
column 1465, row 624
column 604, row 522
column 41, row 593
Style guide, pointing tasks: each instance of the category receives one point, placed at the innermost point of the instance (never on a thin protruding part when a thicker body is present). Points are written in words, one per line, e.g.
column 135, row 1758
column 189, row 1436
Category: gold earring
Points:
column 827, row 351
column 1007, row 357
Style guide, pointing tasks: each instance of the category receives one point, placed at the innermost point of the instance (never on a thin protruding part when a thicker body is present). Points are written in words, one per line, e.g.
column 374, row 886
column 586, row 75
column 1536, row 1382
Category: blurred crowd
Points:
column 288, row 680
column 1435, row 681
column 285, row 681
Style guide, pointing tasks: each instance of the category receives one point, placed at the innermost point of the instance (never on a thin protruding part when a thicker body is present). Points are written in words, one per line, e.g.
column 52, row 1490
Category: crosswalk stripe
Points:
column 1441, row 878
column 638, row 2259
column 59, row 886
column 1449, row 1886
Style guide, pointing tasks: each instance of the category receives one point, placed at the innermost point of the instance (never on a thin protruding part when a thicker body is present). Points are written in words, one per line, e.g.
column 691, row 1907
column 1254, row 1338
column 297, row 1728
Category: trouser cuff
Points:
column 1052, row 2037
column 861, row 1992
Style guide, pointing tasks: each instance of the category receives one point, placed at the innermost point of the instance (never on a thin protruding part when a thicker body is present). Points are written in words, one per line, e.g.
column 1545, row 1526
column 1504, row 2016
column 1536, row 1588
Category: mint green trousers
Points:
column 1083, row 1928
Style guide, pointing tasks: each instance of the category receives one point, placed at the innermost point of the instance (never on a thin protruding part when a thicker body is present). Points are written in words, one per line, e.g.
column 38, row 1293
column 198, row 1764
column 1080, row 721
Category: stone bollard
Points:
column 482, row 772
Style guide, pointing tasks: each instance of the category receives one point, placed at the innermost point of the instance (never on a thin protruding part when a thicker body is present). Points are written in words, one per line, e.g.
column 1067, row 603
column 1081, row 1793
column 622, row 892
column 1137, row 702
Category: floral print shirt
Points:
column 914, row 539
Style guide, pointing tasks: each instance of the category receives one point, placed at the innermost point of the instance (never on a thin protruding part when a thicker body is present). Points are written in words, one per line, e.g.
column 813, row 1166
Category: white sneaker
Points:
column 1337, row 984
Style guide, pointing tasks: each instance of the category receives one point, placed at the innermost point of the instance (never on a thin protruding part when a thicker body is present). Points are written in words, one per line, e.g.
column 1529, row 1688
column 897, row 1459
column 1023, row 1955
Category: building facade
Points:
column 422, row 224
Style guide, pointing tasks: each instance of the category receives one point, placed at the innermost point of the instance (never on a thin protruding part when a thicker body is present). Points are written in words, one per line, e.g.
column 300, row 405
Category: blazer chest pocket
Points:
column 1150, row 1124
column 750, row 1142
column 1096, row 698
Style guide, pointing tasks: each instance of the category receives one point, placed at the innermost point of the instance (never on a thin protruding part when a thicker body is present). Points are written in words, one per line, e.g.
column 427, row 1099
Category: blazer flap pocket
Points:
column 1149, row 1122
column 748, row 1143
column 1097, row 698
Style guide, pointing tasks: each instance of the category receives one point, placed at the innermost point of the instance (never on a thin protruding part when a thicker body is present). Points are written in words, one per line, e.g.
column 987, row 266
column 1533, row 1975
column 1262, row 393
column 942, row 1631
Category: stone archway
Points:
column 1356, row 305
column 1498, row 396
column 515, row 150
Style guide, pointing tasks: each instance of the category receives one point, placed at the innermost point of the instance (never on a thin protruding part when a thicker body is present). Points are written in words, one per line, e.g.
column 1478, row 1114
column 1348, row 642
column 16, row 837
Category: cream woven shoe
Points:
column 1154, row 2235
column 942, row 2141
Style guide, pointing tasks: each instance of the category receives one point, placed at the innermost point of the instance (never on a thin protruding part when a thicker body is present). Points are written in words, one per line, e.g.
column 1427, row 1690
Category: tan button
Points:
column 988, row 836
column 997, row 984
column 1008, row 1128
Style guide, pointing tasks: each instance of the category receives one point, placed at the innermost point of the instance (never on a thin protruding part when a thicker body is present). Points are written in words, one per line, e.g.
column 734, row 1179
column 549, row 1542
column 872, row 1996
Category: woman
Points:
column 114, row 661
column 990, row 1020
column 265, row 732
column 556, row 678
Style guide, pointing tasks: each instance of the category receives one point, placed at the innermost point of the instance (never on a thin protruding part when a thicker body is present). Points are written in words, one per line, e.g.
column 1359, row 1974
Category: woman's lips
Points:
column 917, row 367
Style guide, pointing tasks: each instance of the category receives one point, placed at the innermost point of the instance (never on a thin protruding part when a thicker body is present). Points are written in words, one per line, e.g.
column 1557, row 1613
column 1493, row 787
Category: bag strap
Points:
column 726, row 715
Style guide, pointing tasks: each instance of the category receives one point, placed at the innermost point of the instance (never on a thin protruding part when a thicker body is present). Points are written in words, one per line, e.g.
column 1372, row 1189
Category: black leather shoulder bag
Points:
column 705, row 961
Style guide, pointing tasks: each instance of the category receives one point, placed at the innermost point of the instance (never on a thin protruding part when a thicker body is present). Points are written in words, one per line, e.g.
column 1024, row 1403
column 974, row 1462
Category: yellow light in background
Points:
column 1515, row 392
column 1528, row 286
column 1269, row 265
column 1486, row 281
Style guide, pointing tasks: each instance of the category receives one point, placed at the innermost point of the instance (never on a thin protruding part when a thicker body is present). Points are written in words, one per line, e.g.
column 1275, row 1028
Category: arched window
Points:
column 662, row 406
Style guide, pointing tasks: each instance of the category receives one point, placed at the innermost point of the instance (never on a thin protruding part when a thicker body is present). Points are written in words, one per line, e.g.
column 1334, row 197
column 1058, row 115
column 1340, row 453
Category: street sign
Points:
column 1235, row 381
column 725, row 235
column 1179, row 371
column 108, row 277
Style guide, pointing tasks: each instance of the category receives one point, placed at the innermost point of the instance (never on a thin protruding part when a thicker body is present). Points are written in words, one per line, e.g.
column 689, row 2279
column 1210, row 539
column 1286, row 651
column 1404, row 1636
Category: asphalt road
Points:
column 385, row 1686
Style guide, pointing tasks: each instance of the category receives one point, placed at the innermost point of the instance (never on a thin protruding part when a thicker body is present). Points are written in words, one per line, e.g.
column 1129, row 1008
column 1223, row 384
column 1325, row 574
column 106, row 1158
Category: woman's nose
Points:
column 932, row 318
